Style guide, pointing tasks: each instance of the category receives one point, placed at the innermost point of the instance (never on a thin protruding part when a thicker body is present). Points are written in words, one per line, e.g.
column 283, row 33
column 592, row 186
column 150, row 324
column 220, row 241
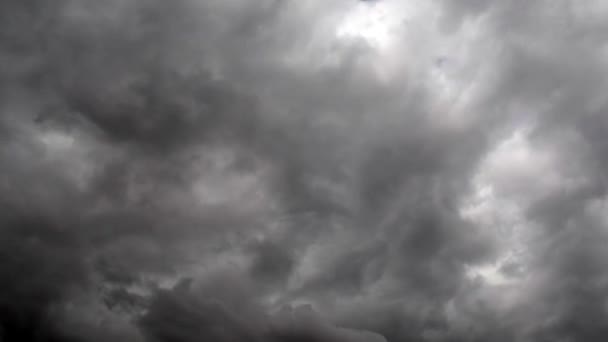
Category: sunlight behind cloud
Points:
column 374, row 23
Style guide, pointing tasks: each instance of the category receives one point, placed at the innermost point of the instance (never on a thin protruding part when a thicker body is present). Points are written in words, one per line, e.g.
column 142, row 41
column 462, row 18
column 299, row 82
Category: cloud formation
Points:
column 344, row 171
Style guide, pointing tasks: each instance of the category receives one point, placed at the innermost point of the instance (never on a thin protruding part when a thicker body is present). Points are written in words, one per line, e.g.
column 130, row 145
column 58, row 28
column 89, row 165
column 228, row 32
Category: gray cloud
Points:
column 231, row 171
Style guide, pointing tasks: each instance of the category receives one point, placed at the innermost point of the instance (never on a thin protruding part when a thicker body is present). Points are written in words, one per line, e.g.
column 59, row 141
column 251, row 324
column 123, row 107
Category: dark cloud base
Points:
column 235, row 171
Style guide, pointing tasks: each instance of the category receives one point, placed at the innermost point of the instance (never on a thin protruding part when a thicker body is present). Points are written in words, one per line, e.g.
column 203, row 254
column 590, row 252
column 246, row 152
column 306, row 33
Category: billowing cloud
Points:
column 278, row 170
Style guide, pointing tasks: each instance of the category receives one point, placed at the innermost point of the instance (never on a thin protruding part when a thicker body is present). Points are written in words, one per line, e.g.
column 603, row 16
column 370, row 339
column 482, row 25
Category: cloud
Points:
column 218, row 311
column 448, row 185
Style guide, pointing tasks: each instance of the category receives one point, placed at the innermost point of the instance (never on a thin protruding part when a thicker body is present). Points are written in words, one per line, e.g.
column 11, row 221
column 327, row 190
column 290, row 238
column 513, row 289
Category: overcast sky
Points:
column 304, row 170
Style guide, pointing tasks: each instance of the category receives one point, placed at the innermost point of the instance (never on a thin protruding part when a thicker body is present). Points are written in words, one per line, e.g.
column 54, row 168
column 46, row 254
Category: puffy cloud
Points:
column 220, row 309
column 346, row 171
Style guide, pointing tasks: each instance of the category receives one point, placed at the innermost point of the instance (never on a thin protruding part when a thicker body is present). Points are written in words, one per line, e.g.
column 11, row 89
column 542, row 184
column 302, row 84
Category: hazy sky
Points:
column 304, row 170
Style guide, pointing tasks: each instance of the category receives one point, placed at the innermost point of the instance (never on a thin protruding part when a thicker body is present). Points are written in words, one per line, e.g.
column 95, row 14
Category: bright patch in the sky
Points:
column 373, row 22
column 490, row 274
column 56, row 141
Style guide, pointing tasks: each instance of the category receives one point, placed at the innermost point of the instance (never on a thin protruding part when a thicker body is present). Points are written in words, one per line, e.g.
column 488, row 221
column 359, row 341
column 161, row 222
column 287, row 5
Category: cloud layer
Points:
column 344, row 171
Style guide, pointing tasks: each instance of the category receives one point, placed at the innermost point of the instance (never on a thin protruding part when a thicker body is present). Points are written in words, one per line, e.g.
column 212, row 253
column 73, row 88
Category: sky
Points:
column 304, row 171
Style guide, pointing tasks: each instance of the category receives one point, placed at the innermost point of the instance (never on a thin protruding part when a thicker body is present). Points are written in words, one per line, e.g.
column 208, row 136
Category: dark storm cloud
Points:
column 221, row 309
column 311, row 187
column 543, row 71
